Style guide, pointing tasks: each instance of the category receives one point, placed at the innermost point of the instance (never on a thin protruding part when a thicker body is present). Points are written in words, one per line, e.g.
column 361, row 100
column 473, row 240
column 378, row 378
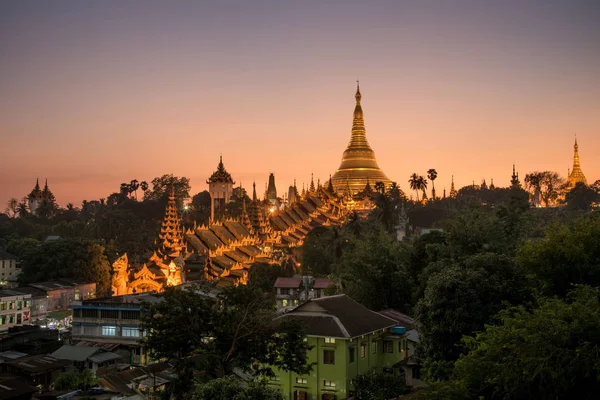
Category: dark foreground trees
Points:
column 237, row 328
column 75, row 259
column 549, row 352
column 231, row 388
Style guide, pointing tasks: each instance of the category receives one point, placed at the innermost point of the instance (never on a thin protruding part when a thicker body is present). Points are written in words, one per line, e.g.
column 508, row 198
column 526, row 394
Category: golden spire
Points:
column 358, row 161
column 576, row 176
column 452, row 190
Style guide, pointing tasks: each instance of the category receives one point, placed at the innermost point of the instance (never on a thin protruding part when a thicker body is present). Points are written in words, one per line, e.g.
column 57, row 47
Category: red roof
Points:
column 288, row 282
column 322, row 283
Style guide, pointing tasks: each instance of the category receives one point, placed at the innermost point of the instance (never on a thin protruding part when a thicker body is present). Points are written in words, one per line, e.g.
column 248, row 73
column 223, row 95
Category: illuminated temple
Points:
column 576, row 175
column 224, row 250
column 359, row 165
column 268, row 230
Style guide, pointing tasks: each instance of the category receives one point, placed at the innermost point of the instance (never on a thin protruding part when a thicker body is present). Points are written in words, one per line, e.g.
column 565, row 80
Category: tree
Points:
column 230, row 388
column 236, row 329
column 548, row 185
column 415, row 183
column 374, row 271
column 134, row 185
column 22, row 247
column 161, row 187
column 12, row 208
column 550, row 352
column 581, row 197
column 380, row 187
column 75, row 380
column 322, row 250
column 460, row 298
column 263, row 275
column 67, row 259
column 568, row 255
column 432, row 175
column 375, row 385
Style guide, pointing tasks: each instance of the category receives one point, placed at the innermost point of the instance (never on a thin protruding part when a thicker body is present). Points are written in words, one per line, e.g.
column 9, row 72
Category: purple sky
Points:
column 93, row 94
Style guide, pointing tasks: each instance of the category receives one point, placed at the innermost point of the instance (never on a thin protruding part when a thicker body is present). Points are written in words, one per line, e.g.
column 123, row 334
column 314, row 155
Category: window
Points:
column 3, row 305
column 329, row 384
column 130, row 332
column 328, row 357
column 363, row 350
column 109, row 331
column 301, row 380
column 77, row 313
column 284, row 303
column 388, row 346
column 295, row 302
column 89, row 313
column 284, row 291
column 130, row 315
column 11, row 305
column 19, row 318
column 328, row 396
column 401, row 346
column 19, row 305
column 27, row 303
column 374, row 347
column 111, row 314
column 329, row 340
column 351, row 354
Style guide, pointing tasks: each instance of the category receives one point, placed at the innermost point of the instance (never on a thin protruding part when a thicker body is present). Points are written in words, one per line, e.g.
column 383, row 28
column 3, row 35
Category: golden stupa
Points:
column 576, row 175
column 359, row 165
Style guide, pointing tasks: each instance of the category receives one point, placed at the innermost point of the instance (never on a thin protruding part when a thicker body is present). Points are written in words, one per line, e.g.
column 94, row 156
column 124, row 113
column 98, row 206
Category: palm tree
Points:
column 134, row 185
column 422, row 183
column 415, row 183
column 380, row 187
column 432, row 175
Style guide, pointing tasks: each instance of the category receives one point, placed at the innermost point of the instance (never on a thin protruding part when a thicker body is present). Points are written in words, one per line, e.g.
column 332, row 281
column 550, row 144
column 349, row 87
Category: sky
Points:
column 96, row 93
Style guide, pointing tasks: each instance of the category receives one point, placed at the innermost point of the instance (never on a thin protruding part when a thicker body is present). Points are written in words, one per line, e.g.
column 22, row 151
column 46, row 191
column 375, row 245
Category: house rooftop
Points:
column 75, row 353
column 58, row 284
column 338, row 316
column 290, row 283
column 402, row 319
column 38, row 363
column 7, row 256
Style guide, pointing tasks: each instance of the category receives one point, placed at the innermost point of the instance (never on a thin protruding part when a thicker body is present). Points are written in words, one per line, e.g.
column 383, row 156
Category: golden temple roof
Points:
column 359, row 164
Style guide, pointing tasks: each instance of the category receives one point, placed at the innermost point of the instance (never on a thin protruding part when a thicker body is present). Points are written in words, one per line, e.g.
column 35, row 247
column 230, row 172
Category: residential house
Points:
column 83, row 357
column 8, row 266
column 411, row 364
column 347, row 339
column 290, row 292
column 37, row 370
column 62, row 292
column 30, row 339
column 112, row 323
column 14, row 309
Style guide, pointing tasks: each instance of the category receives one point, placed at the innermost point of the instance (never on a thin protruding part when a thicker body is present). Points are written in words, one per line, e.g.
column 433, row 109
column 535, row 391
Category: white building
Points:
column 14, row 309
column 8, row 266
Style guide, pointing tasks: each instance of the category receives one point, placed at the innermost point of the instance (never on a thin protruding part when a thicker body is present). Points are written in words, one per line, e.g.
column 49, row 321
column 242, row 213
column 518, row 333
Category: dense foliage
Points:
column 230, row 388
column 377, row 385
column 235, row 329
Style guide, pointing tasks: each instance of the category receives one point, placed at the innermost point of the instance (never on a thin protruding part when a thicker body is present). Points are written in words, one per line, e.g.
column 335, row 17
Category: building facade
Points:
column 290, row 292
column 8, row 267
column 347, row 340
column 113, row 324
column 14, row 309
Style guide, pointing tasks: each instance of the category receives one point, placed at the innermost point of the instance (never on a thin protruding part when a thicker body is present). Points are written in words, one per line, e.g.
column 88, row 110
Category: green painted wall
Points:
column 343, row 371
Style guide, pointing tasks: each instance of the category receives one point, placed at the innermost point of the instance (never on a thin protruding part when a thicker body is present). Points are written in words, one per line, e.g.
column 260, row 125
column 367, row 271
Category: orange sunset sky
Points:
column 93, row 94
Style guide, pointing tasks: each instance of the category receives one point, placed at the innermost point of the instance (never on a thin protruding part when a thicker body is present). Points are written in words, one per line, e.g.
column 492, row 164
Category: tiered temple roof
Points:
column 221, row 174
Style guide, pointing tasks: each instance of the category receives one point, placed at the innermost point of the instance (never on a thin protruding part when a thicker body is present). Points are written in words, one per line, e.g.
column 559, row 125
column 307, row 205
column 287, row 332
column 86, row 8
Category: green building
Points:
column 347, row 339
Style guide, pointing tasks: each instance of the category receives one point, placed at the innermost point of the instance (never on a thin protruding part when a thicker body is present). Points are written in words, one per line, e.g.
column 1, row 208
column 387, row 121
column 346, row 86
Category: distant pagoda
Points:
column 359, row 165
column 576, row 175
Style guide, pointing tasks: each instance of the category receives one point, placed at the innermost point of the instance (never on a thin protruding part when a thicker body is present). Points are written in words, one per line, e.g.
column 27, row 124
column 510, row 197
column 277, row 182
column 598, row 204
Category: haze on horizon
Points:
column 93, row 94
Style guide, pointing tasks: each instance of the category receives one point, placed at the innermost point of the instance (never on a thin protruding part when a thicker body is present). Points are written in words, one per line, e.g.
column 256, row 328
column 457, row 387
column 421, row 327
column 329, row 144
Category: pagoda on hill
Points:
column 576, row 175
column 359, row 165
